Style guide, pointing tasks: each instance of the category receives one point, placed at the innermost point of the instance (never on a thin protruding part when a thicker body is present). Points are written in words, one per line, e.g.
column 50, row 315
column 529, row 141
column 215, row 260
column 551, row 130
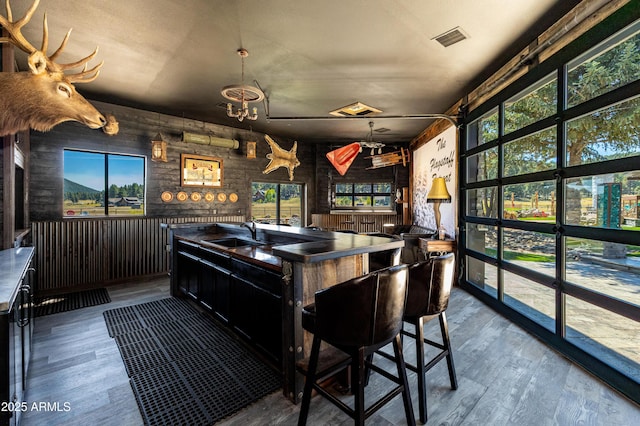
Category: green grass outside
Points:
column 268, row 210
column 526, row 257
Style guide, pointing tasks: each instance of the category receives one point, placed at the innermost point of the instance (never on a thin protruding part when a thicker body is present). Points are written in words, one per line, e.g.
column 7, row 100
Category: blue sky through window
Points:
column 87, row 168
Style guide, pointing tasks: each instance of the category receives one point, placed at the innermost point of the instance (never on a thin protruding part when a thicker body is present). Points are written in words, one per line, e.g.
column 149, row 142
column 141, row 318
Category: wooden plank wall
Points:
column 91, row 252
column 360, row 222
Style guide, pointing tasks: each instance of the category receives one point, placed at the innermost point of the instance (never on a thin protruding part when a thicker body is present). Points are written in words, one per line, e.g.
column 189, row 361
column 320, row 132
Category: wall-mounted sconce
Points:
column 158, row 149
column 251, row 150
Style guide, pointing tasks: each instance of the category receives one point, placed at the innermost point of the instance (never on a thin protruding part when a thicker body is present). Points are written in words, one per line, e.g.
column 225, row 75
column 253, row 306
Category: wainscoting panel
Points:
column 88, row 252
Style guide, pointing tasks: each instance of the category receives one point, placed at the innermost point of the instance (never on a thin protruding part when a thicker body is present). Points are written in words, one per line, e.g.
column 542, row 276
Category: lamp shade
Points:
column 438, row 191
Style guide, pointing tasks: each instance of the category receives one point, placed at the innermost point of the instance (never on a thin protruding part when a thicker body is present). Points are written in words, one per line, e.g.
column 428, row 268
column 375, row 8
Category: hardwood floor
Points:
column 505, row 376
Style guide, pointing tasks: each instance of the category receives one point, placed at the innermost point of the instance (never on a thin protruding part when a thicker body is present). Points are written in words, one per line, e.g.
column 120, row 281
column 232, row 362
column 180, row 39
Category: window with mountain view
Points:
column 101, row 184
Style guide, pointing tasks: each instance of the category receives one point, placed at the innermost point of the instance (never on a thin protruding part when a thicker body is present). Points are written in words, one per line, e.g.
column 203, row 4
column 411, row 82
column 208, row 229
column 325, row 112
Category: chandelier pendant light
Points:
column 243, row 94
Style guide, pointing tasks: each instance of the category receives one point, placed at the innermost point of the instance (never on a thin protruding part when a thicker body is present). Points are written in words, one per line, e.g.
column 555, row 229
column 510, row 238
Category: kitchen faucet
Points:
column 252, row 227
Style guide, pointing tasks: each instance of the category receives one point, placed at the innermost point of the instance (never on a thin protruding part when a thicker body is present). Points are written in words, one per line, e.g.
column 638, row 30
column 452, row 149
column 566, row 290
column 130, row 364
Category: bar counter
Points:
column 304, row 261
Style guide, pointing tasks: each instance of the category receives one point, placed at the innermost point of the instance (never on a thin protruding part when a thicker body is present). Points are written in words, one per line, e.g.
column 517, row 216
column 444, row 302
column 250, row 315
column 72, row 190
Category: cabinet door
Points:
column 222, row 295
column 257, row 315
column 268, row 331
column 189, row 274
column 207, row 285
column 16, row 389
column 243, row 306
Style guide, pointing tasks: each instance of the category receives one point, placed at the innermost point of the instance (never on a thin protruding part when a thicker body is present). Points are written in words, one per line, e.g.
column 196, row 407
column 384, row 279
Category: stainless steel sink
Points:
column 235, row 242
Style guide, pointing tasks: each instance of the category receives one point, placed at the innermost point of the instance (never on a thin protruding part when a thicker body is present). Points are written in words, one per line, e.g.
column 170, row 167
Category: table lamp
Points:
column 438, row 194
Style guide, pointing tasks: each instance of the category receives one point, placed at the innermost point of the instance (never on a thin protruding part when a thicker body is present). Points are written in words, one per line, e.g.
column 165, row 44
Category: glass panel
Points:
column 536, row 201
column 263, row 202
column 363, row 200
column 84, row 174
column 483, row 166
column 382, row 188
column 610, row 65
column 531, row 299
column 362, row 188
column 126, row 185
column 483, row 130
column 608, row 268
column 482, row 275
column 482, row 239
column 291, row 204
column 612, row 132
column 344, row 201
column 606, row 201
column 344, row 188
column 533, row 153
column 483, row 202
column 531, row 250
column 608, row 336
column 380, row 201
column 533, row 104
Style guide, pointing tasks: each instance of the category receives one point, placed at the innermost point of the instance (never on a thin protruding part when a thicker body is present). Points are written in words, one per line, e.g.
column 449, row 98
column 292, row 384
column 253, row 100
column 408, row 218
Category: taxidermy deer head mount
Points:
column 44, row 96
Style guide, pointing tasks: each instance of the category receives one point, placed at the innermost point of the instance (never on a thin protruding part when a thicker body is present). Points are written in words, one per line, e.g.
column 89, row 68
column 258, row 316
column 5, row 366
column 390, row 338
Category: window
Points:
column 552, row 200
column 535, row 103
column 277, row 203
column 100, row 184
column 612, row 64
column 362, row 196
column 483, row 130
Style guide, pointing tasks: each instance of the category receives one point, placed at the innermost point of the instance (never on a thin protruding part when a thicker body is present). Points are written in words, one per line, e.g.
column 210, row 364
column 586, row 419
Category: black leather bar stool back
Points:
column 357, row 317
column 430, row 285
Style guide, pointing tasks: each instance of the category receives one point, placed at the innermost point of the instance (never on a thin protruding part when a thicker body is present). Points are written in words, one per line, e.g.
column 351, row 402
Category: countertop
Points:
column 13, row 264
column 316, row 246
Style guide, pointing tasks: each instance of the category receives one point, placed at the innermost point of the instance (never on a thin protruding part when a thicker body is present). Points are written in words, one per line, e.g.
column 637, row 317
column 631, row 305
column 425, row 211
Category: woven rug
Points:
column 183, row 368
column 69, row 301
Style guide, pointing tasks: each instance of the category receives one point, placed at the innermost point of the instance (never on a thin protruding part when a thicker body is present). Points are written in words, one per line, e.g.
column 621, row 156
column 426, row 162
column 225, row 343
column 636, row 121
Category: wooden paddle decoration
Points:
column 342, row 158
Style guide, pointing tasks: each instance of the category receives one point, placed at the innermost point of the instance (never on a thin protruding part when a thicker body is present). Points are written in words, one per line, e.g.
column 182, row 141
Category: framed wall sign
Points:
column 201, row 171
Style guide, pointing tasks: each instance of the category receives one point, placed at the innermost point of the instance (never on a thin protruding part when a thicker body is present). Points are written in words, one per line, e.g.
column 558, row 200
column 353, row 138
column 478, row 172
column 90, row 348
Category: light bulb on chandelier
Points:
column 242, row 94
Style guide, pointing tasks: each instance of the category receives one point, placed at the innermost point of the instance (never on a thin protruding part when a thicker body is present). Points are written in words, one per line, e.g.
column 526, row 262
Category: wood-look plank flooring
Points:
column 505, row 376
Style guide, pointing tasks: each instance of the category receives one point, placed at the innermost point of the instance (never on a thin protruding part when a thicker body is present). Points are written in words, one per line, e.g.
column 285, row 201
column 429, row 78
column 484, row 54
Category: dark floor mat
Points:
column 176, row 372
column 48, row 305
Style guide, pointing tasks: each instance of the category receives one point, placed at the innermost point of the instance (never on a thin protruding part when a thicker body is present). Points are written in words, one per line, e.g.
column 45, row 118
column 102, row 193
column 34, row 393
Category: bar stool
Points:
column 358, row 317
column 430, row 283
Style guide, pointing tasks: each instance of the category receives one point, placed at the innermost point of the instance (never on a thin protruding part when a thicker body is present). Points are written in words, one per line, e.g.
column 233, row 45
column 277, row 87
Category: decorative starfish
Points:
column 281, row 158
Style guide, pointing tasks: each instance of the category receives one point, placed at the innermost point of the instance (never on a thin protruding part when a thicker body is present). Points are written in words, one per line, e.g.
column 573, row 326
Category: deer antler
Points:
column 15, row 35
column 17, row 39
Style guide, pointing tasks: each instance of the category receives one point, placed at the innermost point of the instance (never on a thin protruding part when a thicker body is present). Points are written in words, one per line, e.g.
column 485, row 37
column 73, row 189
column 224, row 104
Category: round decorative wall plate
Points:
column 196, row 196
column 166, row 196
column 182, row 196
column 222, row 197
column 233, row 197
column 208, row 197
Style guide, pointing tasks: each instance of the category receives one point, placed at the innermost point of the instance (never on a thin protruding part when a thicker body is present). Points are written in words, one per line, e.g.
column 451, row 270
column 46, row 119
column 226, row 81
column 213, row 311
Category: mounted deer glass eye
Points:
column 64, row 89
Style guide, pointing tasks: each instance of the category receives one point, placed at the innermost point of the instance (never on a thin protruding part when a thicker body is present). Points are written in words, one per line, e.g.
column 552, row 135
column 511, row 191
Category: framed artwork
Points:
column 201, row 171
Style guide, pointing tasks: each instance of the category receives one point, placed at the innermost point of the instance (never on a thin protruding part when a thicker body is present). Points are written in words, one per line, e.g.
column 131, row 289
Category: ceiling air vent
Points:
column 451, row 37
column 357, row 109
